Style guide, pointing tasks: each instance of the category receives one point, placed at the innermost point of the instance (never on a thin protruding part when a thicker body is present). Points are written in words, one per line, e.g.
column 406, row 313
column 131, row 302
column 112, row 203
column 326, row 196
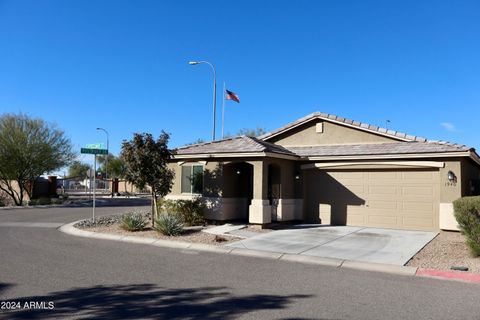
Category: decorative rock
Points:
column 103, row 221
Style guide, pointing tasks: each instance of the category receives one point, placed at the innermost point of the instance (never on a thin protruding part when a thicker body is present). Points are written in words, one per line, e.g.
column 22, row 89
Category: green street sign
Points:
column 93, row 151
column 95, row 146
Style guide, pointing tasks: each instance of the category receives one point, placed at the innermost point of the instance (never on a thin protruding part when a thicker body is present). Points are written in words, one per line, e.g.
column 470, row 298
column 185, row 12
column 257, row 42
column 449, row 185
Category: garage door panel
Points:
column 382, row 220
column 382, row 190
column 382, row 175
column 356, row 219
column 402, row 199
column 382, row 205
column 419, row 223
column 418, row 191
column 356, row 189
column 418, row 176
column 424, row 206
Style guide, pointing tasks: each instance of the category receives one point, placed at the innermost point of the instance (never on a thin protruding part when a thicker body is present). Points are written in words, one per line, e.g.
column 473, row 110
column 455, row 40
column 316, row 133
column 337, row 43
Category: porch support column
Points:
column 260, row 211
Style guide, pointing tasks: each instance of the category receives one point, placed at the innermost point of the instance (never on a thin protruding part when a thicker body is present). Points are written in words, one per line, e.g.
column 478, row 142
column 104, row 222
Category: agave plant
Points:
column 133, row 221
column 169, row 224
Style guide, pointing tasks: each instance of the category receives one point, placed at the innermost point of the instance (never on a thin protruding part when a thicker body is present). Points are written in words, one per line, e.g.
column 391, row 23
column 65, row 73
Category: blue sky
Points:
column 123, row 65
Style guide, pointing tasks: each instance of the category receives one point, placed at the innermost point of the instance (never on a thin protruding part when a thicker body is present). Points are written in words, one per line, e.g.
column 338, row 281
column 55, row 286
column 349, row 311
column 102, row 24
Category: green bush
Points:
column 44, row 201
column 33, row 202
column 133, row 221
column 467, row 213
column 190, row 211
column 169, row 224
column 57, row 200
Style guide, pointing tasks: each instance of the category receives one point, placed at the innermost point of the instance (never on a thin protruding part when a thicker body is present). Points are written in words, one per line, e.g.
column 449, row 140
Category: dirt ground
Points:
column 192, row 234
column 446, row 250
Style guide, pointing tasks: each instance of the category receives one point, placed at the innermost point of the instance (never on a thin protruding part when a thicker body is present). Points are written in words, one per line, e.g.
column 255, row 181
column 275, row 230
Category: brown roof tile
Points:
column 360, row 125
column 377, row 149
column 241, row 144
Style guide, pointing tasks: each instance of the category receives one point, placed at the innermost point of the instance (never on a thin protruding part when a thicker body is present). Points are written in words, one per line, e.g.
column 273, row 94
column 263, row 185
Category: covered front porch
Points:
column 261, row 191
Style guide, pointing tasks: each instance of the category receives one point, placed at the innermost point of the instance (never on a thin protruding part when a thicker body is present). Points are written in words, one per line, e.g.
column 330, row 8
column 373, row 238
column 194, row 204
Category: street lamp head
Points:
column 192, row 63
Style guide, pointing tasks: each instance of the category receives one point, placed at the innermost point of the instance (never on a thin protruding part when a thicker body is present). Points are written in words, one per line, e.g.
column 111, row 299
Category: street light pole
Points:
column 214, row 91
column 106, row 161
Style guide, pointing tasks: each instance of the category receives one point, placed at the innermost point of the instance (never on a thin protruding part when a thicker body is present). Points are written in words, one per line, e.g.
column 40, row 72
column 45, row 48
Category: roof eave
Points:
column 394, row 156
column 234, row 155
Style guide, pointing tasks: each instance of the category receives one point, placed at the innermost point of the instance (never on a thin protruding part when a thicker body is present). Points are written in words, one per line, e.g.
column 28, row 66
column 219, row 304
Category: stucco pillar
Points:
column 260, row 211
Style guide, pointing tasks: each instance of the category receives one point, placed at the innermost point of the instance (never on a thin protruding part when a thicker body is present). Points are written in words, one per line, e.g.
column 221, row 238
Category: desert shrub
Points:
column 57, row 200
column 44, row 201
column 33, row 202
column 133, row 221
column 169, row 224
column 190, row 211
column 467, row 213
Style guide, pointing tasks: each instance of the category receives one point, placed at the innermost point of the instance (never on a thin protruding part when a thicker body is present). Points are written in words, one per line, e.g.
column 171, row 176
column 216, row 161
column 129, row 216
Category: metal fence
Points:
column 85, row 187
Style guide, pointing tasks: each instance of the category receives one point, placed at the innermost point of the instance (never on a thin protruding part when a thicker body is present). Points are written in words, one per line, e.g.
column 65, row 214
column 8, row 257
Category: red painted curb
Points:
column 452, row 275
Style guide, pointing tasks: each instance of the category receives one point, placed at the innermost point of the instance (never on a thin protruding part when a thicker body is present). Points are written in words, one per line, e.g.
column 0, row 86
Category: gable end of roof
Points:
column 400, row 136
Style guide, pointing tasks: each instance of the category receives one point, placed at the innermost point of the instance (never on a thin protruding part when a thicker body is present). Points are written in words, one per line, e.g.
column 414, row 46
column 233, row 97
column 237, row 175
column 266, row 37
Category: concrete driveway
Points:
column 342, row 242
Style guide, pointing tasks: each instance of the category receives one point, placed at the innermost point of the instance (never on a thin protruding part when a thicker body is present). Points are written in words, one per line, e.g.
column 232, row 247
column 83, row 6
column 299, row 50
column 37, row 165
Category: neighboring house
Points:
column 323, row 168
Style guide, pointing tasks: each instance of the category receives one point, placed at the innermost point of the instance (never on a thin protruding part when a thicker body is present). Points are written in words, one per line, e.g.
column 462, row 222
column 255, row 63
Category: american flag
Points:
column 229, row 95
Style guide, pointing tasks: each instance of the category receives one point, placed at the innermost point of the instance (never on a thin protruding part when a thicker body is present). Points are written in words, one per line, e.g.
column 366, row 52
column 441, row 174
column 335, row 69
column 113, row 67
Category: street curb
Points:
column 329, row 262
column 449, row 275
column 256, row 253
column 379, row 267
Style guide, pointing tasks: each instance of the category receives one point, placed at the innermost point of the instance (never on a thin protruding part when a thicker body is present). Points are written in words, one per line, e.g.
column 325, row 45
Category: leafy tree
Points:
column 247, row 132
column 102, row 158
column 29, row 148
column 251, row 132
column 199, row 140
column 78, row 169
column 116, row 168
column 146, row 165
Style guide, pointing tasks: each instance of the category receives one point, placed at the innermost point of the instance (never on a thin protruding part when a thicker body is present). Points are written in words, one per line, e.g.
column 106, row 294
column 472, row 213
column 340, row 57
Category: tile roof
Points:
column 360, row 125
column 241, row 144
column 393, row 148
column 244, row 144
column 407, row 144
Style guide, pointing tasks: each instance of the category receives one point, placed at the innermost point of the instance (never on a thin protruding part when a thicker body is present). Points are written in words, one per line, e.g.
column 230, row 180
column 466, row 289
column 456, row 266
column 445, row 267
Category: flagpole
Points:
column 223, row 110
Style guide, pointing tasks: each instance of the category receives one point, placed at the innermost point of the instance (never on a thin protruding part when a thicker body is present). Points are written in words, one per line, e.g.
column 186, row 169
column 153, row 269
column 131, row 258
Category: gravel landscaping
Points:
column 111, row 225
column 446, row 250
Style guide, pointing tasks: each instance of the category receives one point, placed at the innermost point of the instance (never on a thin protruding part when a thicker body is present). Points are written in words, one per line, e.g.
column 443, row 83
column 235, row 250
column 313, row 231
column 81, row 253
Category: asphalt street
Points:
column 49, row 274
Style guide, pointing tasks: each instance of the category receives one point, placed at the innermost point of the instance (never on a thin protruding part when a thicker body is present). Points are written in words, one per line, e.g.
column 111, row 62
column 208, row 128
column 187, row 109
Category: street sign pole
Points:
column 94, row 149
column 94, row 183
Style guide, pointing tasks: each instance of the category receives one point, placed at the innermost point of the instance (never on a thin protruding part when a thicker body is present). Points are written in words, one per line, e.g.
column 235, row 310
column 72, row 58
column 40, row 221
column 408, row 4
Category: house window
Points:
column 192, row 179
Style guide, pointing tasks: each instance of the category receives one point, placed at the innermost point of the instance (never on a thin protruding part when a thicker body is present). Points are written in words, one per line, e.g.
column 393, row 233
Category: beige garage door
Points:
column 401, row 199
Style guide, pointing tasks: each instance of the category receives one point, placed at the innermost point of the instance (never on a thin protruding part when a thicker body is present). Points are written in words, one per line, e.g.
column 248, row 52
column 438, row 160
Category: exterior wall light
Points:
column 451, row 176
column 297, row 175
column 238, row 172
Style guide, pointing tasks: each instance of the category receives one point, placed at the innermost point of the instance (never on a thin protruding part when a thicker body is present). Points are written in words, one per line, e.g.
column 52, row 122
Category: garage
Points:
column 399, row 199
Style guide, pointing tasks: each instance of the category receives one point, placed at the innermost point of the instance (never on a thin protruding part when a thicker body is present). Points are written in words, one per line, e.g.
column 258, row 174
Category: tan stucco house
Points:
column 327, row 169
